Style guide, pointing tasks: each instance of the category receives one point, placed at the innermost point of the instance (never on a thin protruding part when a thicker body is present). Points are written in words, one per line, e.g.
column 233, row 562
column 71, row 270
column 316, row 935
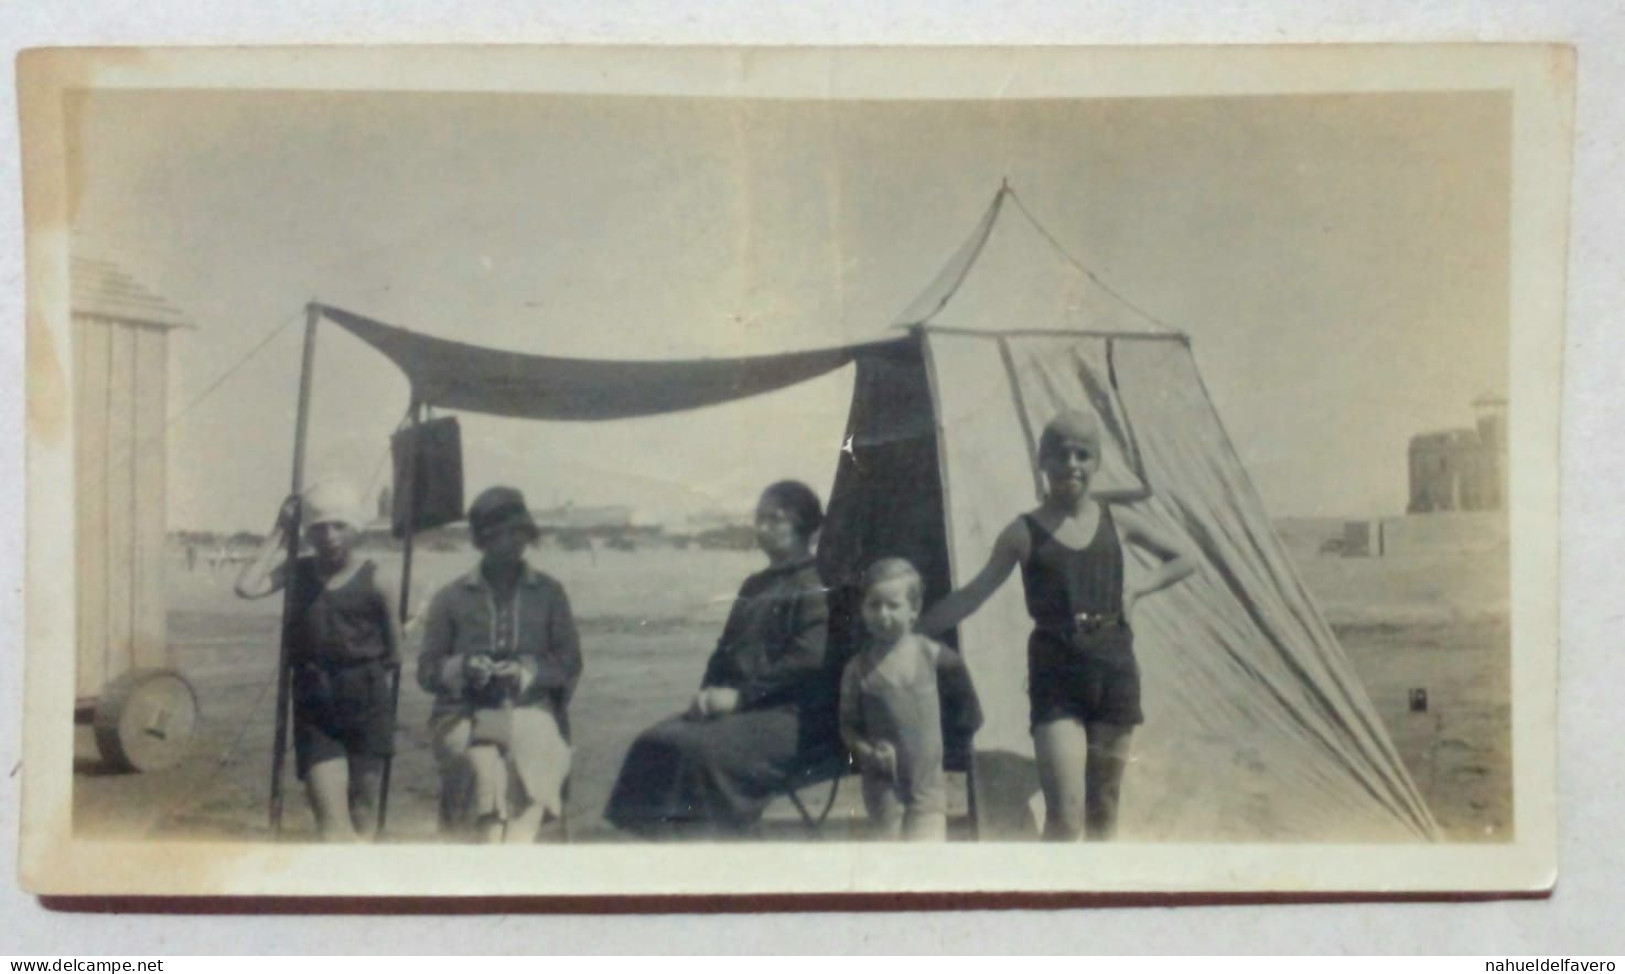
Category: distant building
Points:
column 571, row 526
column 712, row 520
column 1462, row 470
column 573, row 517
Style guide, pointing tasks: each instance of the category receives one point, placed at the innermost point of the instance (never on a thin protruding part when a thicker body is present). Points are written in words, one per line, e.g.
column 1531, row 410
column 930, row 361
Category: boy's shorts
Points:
column 340, row 711
column 1090, row 677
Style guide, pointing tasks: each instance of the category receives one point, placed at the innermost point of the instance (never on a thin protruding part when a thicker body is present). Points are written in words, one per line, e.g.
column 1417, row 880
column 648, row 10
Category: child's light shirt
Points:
column 893, row 698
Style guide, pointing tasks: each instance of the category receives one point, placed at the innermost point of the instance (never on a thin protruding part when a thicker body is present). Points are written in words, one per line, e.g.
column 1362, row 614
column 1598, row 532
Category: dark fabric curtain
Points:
column 887, row 497
column 428, row 459
column 454, row 375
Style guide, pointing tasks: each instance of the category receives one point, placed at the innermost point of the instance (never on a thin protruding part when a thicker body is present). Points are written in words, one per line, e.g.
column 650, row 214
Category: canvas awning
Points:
column 455, row 375
column 1258, row 726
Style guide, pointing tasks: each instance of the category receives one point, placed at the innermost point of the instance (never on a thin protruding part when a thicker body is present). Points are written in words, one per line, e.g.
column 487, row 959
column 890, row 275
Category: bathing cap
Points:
column 332, row 501
column 1072, row 425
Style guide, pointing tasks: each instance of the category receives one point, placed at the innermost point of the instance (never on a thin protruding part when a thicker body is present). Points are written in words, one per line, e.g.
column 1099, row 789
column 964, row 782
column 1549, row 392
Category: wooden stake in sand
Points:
column 284, row 682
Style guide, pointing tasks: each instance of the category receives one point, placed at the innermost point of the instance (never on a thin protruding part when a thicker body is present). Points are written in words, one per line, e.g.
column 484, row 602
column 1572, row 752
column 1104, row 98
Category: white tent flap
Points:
column 1256, row 727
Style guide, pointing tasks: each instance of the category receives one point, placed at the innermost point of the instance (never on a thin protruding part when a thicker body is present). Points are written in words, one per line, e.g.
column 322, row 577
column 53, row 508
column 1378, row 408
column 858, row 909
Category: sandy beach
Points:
column 1434, row 620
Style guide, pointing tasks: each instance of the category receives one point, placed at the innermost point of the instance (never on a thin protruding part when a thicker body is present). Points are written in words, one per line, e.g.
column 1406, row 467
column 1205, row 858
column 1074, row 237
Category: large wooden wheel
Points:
column 145, row 720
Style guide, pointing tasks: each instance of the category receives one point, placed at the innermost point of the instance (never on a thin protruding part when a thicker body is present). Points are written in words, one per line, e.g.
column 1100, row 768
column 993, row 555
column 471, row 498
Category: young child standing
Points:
column 893, row 697
column 344, row 640
column 1082, row 678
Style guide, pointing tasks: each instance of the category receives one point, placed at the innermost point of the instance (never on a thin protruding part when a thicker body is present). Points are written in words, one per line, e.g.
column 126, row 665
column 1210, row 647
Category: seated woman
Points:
column 501, row 656
column 715, row 767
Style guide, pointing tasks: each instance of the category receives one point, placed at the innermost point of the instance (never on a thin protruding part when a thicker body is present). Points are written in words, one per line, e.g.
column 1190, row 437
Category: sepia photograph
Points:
column 793, row 471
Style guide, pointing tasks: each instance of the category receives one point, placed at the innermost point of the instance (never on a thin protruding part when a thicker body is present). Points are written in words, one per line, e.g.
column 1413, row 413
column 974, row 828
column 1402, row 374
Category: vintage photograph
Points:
column 1047, row 470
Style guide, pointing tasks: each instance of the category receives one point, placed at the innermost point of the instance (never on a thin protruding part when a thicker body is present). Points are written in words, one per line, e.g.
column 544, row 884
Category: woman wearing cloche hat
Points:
column 343, row 639
column 502, row 658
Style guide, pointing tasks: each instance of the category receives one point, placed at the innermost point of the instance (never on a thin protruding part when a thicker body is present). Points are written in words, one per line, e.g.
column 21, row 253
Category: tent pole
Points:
column 970, row 799
column 408, row 492
column 284, row 677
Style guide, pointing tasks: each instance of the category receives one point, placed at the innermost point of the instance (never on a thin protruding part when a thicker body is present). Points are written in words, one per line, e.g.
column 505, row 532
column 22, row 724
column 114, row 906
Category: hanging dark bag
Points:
column 434, row 483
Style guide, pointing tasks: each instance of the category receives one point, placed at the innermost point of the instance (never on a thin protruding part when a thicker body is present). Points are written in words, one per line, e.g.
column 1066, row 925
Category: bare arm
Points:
column 389, row 587
column 1009, row 550
column 267, row 573
column 1177, row 562
column 851, row 716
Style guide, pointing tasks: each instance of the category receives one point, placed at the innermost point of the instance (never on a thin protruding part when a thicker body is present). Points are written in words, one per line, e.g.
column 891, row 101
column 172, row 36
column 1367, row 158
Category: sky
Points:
column 1340, row 263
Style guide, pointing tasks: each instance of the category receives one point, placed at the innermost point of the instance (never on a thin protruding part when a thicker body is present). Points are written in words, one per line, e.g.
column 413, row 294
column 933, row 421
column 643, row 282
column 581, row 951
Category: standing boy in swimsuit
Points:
column 344, row 640
column 1083, row 682
column 894, row 696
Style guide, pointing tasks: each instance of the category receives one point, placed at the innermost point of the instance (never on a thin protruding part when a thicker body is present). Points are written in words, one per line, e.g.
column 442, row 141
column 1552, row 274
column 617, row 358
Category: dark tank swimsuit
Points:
column 1080, row 657
column 341, row 655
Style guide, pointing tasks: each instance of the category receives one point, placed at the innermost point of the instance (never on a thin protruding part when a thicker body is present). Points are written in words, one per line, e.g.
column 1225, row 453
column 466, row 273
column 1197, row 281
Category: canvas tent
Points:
column 1258, row 729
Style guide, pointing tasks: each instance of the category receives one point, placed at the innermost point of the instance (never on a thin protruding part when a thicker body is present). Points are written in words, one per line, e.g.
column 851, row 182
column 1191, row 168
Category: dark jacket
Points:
column 772, row 647
column 462, row 621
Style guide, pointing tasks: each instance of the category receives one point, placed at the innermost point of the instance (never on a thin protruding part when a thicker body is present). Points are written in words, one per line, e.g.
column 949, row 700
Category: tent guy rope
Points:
column 1081, row 267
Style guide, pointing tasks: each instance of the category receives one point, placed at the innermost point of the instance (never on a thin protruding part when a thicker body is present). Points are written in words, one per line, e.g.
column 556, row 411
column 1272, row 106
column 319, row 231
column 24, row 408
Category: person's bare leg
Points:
column 328, row 785
column 451, row 739
column 490, row 770
column 524, row 826
column 884, row 807
column 366, row 789
column 1062, row 748
column 921, row 826
column 1103, row 777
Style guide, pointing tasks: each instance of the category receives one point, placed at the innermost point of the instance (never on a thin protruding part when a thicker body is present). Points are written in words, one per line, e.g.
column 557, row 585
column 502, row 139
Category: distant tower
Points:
column 1462, row 470
column 1492, row 440
column 386, row 507
column 1439, row 464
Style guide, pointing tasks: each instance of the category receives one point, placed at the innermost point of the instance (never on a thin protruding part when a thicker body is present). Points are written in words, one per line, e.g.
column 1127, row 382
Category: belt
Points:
column 1085, row 623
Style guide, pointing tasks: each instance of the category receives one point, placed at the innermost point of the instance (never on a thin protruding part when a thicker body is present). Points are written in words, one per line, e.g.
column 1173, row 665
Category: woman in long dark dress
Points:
column 714, row 767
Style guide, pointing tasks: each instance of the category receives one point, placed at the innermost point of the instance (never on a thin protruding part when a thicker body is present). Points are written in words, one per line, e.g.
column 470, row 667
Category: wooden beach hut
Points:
column 143, row 711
